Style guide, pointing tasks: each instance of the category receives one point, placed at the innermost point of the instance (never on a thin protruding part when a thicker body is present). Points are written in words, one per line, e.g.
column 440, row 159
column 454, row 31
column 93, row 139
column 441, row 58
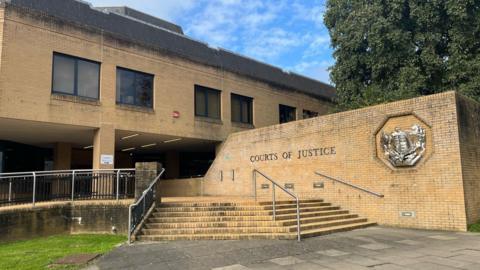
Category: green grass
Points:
column 474, row 227
column 41, row 252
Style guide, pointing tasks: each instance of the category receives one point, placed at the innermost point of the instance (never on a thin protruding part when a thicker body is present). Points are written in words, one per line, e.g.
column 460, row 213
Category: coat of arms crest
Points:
column 404, row 148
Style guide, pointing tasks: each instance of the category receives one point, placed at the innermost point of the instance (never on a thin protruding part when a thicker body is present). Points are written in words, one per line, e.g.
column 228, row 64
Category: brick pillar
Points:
column 104, row 146
column 145, row 173
column 62, row 156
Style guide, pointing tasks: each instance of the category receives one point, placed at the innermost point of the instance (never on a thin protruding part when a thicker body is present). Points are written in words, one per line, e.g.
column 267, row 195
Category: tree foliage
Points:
column 387, row 50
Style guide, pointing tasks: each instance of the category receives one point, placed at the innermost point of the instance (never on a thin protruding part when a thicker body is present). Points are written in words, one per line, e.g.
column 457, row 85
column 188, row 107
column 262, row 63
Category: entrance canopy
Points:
column 30, row 145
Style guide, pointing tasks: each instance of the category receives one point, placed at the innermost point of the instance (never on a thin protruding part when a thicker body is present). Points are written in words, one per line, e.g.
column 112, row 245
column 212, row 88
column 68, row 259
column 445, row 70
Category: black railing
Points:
column 139, row 210
column 33, row 187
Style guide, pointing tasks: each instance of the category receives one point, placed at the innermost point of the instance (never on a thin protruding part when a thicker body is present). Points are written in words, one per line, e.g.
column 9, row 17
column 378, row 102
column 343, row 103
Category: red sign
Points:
column 176, row 114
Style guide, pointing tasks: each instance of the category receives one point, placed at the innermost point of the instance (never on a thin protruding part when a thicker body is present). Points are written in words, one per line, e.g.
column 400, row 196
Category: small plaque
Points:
column 318, row 185
column 289, row 186
column 106, row 159
column 407, row 214
column 265, row 186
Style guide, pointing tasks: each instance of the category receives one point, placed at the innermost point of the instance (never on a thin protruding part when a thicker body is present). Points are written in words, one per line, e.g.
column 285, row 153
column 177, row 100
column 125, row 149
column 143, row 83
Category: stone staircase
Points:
column 223, row 220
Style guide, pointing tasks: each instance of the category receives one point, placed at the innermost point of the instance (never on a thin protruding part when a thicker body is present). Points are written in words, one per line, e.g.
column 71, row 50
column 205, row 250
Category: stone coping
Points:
column 50, row 205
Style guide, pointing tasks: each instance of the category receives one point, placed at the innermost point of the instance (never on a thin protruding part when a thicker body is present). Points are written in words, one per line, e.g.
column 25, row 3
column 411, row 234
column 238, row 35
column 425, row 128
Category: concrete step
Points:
column 237, row 203
column 256, row 223
column 335, row 229
column 211, row 213
column 181, row 208
column 243, row 220
column 213, row 230
column 327, row 224
column 208, row 219
column 293, row 221
column 228, row 224
column 256, row 236
column 289, row 201
column 221, row 212
column 238, row 236
column 325, row 212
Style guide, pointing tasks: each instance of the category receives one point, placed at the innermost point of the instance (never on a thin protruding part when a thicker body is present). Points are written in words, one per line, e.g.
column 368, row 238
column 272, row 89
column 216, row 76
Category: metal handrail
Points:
column 255, row 171
column 351, row 185
column 35, row 174
column 137, row 203
column 62, row 171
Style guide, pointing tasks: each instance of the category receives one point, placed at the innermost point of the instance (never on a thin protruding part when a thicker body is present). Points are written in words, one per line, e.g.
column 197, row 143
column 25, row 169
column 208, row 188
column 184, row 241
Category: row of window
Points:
column 81, row 77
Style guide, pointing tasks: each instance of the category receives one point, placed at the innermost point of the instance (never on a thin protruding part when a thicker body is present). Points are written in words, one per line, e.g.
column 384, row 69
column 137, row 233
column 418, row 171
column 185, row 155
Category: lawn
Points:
column 474, row 227
column 39, row 253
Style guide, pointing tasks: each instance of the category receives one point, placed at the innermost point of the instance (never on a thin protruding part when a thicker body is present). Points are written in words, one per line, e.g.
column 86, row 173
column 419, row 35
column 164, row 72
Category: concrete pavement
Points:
column 371, row 248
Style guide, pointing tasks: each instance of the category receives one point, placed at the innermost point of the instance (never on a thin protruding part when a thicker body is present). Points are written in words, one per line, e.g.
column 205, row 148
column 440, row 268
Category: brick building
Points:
column 85, row 87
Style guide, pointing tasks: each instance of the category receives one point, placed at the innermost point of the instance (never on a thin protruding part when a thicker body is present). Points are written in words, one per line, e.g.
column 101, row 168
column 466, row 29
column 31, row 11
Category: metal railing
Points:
column 42, row 186
column 138, row 210
column 274, row 184
column 351, row 185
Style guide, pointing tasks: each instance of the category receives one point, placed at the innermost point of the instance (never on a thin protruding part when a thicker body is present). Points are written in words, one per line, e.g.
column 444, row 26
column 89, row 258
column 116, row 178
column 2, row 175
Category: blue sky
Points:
column 285, row 33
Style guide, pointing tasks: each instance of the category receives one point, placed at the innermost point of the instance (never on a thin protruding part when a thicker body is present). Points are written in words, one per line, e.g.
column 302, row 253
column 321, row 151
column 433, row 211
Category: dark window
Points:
column 207, row 102
column 309, row 114
column 75, row 76
column 287, row 114
column 1, row 162
column 134, row 88
column 242, row 109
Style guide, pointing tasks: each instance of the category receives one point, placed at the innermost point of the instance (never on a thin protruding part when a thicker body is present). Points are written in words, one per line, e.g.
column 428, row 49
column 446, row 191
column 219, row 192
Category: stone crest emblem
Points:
column 404, row 147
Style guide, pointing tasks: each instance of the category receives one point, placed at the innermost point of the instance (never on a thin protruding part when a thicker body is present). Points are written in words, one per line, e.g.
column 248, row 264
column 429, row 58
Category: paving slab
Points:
column 77, row 259
column 232, row 267
column 378, row 248
column 289, row 260
column 375, row 246
column 445, row 261
column 442, row 237
column 430, row 266
column 333, row 252
column 409, row 242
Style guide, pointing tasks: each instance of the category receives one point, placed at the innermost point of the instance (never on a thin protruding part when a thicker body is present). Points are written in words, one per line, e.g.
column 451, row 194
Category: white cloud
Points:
column 288, row 33
column 315, row 69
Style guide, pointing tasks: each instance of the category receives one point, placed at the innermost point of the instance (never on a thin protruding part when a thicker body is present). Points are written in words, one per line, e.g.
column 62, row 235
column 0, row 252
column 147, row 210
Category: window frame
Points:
column 75, row 80
column 242, row 98
column 205, row 90
column 280, row 113
column 305, row 111
column 134, row 97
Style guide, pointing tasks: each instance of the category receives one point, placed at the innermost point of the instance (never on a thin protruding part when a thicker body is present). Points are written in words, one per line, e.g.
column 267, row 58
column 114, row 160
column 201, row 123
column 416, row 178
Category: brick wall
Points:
column 469, row 126
column 433, row 189
column 29, row 40
column 21, row 222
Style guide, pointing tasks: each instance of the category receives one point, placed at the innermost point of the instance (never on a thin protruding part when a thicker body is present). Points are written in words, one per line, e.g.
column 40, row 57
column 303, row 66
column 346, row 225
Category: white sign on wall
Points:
column 106, row 159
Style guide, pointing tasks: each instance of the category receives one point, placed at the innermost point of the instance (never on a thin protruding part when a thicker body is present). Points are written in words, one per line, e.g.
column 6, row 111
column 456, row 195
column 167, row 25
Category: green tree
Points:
column 387, row 50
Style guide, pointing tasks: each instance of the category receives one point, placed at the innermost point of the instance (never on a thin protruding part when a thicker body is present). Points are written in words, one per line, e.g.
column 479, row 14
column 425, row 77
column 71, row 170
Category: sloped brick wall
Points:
column 469, row 127
column 432, row 190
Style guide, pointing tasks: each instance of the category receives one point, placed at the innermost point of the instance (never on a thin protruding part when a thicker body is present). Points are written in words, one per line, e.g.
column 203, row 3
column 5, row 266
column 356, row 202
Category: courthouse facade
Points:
column 85, row 87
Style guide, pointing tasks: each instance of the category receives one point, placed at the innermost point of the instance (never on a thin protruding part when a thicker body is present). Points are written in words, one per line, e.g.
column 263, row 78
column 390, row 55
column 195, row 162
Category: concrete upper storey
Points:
column 32, row 32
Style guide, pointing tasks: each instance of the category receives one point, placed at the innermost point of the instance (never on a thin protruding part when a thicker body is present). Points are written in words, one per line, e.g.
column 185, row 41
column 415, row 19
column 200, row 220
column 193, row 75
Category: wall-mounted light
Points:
column 88, row 147
column 173, row 140
column 130, row 136
column 148, row 145
column 128, row 149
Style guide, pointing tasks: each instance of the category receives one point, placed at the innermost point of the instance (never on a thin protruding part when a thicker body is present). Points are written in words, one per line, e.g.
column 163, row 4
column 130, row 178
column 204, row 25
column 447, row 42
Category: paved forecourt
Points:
column 371, row 248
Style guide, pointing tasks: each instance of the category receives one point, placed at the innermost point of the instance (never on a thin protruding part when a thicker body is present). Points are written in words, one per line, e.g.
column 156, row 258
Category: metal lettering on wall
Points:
column 404, row 148
column 299, row 154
